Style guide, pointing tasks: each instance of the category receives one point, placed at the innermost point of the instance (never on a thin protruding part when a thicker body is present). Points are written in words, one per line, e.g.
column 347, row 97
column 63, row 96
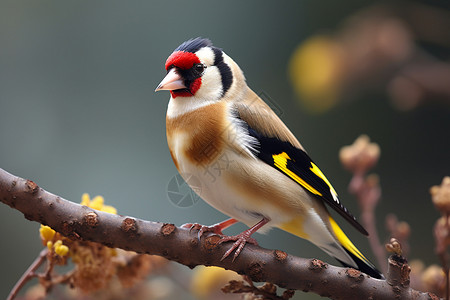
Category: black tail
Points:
column 364, row 266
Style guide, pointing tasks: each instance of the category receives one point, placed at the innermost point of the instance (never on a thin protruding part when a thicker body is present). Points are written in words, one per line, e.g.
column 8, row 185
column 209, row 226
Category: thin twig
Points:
column 368, row 221
column 29, row 274
column 368, row 197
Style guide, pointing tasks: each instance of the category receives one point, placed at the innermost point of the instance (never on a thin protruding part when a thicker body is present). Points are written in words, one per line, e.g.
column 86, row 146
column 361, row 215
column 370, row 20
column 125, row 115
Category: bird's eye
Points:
column 199, row 67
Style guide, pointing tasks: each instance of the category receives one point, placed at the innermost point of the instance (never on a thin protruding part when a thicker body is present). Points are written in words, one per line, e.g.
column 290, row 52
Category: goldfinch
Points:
column 268, row 179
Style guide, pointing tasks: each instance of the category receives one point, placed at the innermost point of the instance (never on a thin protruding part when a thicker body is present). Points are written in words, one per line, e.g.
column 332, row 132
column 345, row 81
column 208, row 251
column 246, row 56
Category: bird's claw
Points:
column 240, row 241
column 202, row 229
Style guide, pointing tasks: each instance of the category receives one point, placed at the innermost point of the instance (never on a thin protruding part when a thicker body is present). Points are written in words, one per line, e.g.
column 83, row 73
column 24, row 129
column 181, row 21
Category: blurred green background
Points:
column 78, row 112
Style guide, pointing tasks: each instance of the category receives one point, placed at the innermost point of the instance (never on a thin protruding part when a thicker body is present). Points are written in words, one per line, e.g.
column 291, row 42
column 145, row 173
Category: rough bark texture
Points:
column 181, row 245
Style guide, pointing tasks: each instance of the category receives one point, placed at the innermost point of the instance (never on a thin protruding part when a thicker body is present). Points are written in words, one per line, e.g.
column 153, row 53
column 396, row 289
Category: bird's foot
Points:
column 202, row 229
column 239, row 242
column 242, row 238
column 216, row 228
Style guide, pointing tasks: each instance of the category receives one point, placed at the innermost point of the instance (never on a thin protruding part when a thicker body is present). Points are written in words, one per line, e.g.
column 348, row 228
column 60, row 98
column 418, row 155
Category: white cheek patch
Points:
column 211, row 87
column 206, row 55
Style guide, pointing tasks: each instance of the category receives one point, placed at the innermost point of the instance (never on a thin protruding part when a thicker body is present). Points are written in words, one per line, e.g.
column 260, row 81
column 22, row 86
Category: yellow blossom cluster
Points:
column 96, row 264
column 98, row 203
column 53, row 241
column 58, row 244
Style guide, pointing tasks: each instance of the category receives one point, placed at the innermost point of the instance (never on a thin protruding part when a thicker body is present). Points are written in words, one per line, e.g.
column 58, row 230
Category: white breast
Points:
column 183, row 105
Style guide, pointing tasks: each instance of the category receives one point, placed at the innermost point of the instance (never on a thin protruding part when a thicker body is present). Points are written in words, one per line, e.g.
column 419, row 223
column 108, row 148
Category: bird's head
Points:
column 198, row 69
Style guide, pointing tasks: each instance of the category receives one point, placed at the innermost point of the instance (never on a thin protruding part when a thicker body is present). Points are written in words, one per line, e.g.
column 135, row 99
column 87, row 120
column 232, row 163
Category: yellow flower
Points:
column 49, row 236
column 208, row 280
column 54, row 241
column 46, row 233
column 109, row 209
column 60, row 249
column 315, row 70
column 85, row 199
column 98, row 203
column 49, row 245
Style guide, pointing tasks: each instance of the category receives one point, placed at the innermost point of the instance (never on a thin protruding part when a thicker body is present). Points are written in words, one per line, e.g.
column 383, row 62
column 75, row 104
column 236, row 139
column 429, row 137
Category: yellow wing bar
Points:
column 345, row 241
column 280, row 161
column 315, row 169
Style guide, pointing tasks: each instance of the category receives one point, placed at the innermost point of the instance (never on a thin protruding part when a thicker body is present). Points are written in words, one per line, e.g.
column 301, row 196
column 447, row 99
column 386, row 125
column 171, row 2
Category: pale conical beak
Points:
column 171, row 82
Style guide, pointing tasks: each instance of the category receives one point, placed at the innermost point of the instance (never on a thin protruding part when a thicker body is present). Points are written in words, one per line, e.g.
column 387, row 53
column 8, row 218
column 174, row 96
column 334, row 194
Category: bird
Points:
column 250, row 166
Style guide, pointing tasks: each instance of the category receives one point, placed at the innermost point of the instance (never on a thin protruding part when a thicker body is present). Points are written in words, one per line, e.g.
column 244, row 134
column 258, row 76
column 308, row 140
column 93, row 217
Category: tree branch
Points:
column 181, row 245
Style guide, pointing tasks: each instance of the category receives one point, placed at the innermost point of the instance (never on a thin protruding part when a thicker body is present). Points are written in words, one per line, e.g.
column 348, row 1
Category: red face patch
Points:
column 182, row 60
column 193, row 89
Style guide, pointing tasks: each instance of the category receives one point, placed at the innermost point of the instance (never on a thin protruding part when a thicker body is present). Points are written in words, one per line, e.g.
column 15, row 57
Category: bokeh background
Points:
column 78, row 112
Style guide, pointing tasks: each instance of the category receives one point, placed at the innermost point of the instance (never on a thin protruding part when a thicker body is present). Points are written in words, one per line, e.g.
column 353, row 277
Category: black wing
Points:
column 297, row 165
